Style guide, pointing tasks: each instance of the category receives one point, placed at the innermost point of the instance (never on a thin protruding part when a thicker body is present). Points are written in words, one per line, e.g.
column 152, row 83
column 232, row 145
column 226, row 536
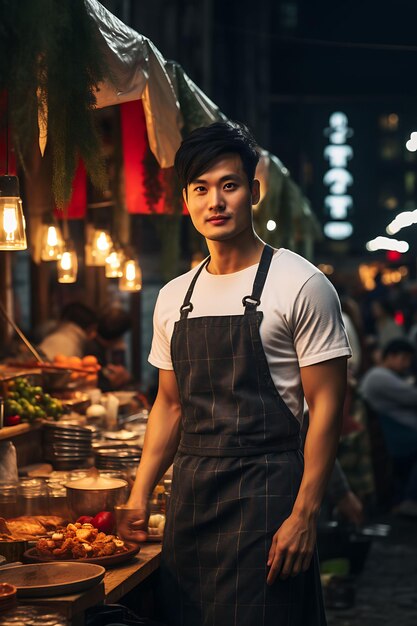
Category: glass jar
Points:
column 57, row 498
column 32, row 497
column 8, row 500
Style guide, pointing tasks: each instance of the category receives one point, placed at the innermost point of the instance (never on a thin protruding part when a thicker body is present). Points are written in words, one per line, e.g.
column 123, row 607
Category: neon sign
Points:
column 338, row 203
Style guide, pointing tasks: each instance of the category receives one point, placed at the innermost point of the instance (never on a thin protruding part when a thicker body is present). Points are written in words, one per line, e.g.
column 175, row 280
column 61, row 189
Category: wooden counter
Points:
column 118, row 581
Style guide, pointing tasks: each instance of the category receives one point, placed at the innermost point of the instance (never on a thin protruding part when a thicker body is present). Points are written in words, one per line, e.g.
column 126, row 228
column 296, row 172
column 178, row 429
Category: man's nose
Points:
column 216, row 200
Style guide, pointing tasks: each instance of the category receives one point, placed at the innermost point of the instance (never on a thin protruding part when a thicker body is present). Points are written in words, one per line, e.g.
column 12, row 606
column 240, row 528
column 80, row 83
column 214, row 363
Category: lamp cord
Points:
column 7, row 133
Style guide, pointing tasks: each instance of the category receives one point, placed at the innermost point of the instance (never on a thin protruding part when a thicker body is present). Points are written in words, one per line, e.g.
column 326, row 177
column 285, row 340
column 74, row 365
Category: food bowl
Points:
column 55, row 379
column 90, row 495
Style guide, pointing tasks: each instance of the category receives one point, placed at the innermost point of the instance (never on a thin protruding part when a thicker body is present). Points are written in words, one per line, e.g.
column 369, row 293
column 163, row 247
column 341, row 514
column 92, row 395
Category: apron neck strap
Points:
column 187, row 306
column 249, row 302
column 254, row 300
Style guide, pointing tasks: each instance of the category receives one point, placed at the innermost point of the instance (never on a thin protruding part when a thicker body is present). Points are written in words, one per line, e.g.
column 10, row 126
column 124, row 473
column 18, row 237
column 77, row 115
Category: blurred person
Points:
column 385, row 325
column 351, row 315
column 238, row 341
column 77, row 325
column 394, row 399
column 109, row 348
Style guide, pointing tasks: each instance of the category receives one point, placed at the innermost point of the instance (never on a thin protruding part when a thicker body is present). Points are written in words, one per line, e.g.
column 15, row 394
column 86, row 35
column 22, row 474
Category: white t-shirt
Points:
column 302, row 322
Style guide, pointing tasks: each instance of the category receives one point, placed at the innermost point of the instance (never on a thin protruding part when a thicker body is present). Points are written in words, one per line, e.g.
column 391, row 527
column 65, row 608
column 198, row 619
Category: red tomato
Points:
column 104, row 521
column 11, row 420
column 85, row 519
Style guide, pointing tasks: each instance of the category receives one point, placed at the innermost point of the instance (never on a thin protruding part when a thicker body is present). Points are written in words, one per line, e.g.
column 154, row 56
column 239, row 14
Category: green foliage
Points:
column 52, row 45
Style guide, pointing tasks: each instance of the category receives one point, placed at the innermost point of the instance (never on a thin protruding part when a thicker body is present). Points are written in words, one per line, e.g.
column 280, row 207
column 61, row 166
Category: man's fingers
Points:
column 272, row 551
column 275, row 568
column 288, row 564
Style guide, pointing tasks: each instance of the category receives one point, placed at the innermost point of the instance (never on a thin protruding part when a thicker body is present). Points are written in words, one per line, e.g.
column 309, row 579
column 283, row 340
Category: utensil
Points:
column 23, row 337
column 51, row 579
column 88, row 496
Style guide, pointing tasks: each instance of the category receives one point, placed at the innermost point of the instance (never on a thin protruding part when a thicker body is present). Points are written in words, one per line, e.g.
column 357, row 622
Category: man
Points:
column 385, row 388
column 237, row 340
column 77, row 325
column 109, row 348
column 394, row 400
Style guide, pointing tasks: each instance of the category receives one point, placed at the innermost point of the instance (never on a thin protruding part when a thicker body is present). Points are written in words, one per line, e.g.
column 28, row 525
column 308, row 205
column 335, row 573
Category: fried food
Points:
column 29, row 526
column 79, row 541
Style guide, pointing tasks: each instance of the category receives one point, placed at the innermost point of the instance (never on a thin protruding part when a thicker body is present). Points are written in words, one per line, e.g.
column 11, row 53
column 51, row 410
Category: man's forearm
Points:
column 160, row 445
column 319, row 456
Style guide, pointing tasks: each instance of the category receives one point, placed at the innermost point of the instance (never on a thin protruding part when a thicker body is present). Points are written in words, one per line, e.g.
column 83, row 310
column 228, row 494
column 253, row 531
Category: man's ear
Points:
column 256, row 191
column 185, row 196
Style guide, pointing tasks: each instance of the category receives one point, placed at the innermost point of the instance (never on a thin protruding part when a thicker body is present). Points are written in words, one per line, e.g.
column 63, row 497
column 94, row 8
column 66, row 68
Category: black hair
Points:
column 398, row 346
column 204, row 145
column 79, row 314
column 113, row 323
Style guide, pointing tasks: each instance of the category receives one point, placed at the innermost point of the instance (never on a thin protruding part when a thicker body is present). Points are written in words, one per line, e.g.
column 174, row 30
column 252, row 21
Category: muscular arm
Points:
column 161, row 439
column 292, row 546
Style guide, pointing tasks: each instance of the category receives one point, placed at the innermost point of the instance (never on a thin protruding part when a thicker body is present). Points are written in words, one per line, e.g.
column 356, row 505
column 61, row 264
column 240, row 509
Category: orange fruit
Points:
column 60, row 358
column 74, row 361
column 89, row 360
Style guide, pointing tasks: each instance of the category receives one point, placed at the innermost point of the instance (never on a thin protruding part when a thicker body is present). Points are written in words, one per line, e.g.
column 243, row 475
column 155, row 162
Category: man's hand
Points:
column 117, row 375
column 292, row 548
column 132, row 523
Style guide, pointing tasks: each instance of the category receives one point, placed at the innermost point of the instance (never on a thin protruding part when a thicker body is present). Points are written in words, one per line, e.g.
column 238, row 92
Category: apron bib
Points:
column 236, row 476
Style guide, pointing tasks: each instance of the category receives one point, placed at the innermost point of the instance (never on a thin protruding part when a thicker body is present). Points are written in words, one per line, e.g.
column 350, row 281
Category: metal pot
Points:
column 102, row 495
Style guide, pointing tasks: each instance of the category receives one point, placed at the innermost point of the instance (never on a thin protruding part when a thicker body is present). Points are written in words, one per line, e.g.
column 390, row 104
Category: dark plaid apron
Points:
column 236, row 476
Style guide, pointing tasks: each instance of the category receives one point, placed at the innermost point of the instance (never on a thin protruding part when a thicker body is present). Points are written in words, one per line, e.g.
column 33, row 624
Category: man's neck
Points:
column 227, row 257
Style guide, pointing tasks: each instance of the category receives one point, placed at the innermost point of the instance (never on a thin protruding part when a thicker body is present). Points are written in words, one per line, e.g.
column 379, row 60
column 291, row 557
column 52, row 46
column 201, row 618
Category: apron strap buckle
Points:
column 186, row 308
column 250, row 303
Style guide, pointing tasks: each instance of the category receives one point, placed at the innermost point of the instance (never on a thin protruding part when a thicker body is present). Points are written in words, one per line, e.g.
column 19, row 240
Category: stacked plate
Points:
column 117, row 458
column 66, row 446
column 7, row 596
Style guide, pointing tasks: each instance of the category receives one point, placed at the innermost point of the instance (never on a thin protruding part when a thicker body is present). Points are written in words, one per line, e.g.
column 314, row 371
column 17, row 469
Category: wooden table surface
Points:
column 118, row 581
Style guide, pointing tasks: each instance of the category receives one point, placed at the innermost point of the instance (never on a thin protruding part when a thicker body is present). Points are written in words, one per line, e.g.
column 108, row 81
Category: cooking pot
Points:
column 92, row 494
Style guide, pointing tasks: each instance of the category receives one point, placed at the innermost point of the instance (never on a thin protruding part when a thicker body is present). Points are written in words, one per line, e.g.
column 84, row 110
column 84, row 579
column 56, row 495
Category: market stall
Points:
column 56, row 427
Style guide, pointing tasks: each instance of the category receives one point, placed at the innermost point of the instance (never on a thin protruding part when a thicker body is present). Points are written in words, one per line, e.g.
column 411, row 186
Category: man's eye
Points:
column 230, row 186
column 200, row 188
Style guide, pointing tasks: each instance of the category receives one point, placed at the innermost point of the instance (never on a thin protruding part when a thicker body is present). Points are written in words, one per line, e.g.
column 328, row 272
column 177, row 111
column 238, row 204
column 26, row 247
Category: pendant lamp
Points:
column 67, row 264
column 12, row 220
column 114, row 264
column 52, row 242
column 101, row 245
column 131, row 279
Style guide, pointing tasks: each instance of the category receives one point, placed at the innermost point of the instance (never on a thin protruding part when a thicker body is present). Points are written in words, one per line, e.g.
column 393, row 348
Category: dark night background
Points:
column 284, row 66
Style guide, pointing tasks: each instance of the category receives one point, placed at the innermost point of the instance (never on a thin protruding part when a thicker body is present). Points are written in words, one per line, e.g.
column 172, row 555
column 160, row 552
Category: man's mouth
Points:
column 218, row 219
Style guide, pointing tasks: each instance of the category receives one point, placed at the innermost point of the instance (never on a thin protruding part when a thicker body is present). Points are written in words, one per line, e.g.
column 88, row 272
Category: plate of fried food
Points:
column 81, row 542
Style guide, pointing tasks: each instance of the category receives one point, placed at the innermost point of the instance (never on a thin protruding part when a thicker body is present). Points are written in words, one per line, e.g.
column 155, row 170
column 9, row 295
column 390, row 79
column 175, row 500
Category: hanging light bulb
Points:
column 114, row 264
column 12, row 220
column 131, row 279
column 101, row 244
column 67, row 264
column 52, row 243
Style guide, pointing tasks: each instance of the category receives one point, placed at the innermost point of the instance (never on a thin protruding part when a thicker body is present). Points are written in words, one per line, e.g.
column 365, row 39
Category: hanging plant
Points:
column 54, row 63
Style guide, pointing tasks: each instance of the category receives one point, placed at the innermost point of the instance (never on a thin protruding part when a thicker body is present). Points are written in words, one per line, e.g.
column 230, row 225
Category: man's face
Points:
column 401, row 362
column 220, row 200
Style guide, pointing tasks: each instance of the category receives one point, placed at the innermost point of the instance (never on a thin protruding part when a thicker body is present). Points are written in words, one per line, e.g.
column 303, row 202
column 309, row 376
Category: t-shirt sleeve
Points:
column 160, row 354
column 318, row 330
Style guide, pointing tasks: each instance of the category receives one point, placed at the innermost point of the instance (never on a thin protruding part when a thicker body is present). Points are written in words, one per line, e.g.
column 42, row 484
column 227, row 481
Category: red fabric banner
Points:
column 3, row 143
column 143, row 177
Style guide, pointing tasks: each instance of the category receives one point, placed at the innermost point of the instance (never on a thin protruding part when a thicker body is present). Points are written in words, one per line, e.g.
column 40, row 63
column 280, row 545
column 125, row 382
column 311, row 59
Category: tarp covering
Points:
column 138, row 72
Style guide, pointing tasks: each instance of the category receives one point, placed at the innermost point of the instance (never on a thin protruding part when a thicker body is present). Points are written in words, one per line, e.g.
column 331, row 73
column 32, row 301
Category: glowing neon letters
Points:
column 338, row 203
